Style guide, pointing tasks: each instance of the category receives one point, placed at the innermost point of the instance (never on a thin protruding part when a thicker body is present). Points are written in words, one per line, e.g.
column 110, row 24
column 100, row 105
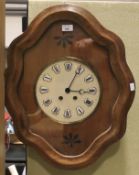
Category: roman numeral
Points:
column 92, row 90
column 79, row 110
column 88, row 102
column 47, row 102
column 43, row 90
column 79, row 70
column 55, row 110
column 67, row 113
column 88, row 79
column 68, row 66
column 47, row 78
column 56, row 68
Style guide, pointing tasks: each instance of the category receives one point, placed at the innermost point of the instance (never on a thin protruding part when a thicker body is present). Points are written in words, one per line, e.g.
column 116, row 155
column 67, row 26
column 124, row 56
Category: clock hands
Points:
column 78, row 71
column 72, row 81
column 82, row 91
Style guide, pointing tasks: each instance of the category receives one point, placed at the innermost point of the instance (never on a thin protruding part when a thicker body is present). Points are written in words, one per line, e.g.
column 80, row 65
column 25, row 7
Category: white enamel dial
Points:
column 68, row 91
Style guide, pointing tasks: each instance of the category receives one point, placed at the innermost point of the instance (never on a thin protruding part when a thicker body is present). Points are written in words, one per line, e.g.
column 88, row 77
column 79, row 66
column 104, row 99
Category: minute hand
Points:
column 72, row 80
column 77, row 72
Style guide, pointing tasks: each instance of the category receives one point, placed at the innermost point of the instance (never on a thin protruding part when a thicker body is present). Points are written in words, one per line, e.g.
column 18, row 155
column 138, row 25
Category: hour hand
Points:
column 82, row 91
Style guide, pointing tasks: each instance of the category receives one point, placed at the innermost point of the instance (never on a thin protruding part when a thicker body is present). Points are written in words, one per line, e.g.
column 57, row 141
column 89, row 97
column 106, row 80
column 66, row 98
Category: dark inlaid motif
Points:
column 64, row 40
column 71, row 139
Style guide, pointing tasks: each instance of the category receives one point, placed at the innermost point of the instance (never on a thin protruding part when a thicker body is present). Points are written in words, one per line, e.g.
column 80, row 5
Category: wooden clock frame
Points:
column 119, row 71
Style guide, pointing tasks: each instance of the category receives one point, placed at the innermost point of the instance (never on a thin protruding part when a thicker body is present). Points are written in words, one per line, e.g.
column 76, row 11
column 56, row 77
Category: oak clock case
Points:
column 68, row 86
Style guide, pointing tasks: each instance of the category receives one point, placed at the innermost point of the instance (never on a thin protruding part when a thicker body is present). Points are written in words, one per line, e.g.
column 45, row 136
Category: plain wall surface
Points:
column 121, row 158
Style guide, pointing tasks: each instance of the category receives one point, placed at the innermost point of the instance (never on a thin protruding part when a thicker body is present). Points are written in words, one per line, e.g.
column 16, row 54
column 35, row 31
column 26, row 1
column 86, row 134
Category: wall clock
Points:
column 68, row 86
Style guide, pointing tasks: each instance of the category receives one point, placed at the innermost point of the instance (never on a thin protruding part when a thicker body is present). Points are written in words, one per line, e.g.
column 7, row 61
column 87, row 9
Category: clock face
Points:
column 68, row 91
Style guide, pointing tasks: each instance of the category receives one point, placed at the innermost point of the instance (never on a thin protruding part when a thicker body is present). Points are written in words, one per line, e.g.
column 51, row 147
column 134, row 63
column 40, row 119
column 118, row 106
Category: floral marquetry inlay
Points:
column 64, row 40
